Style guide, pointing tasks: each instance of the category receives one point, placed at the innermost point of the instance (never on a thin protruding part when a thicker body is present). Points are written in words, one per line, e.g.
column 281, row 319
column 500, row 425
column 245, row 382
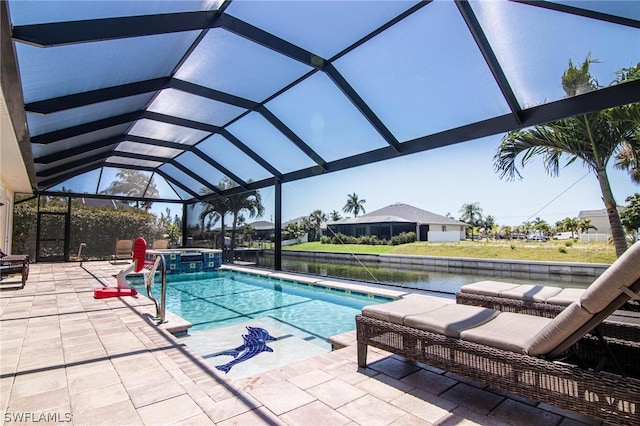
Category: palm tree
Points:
column 506, row 231
column 133, row 183
column 471, row 213
column 335, row 216
column 593, row 138
column 489, row 225
column 584, row 225
column 628, row 158
column 214, row 210
column 249, row 202
column 541, row 226
column 316, row 218
column 570, row 224
column 354, row 204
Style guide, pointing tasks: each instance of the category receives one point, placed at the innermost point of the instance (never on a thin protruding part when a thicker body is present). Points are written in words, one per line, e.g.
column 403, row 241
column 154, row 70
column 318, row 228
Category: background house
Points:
column 399, row 217
column 600, row 220
column 264, row 229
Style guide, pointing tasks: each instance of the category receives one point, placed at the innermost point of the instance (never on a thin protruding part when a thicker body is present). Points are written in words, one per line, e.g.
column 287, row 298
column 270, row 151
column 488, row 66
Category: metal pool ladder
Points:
column 149, row 281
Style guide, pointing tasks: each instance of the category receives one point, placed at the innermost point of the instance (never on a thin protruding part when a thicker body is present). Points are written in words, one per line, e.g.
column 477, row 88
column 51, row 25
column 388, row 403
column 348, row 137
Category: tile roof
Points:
column 400, row 212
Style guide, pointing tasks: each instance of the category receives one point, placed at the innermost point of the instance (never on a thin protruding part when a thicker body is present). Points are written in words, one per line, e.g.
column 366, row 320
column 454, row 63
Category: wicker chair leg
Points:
column 362, row 355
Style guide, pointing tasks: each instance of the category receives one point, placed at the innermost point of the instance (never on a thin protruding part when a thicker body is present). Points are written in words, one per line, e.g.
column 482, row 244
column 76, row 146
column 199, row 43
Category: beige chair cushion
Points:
column 558, row 330
column 622, row 273
column 531, row 293
column 397, row 310
column 450, row 320
column 487, row 288
column 508, row 331
column 566, row 297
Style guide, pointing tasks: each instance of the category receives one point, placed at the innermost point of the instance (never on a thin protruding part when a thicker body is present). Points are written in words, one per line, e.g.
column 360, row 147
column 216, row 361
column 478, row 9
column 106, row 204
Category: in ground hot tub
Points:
column 189, row 260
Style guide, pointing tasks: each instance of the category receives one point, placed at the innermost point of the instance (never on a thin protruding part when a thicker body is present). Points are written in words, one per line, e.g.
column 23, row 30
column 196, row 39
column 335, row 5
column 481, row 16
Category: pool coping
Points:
column 351, row 286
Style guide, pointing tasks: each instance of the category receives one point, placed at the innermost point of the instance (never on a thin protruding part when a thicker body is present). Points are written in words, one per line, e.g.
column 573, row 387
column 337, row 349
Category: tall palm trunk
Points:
column 222, row 246
column 617, row 232
column 232, row 245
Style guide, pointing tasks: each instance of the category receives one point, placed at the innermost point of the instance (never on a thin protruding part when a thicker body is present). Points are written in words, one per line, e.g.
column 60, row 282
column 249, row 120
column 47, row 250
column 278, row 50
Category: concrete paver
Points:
column 77, row 359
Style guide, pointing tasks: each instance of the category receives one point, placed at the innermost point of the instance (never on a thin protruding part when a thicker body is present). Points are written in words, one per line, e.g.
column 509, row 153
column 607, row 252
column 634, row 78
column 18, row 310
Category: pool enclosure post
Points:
column 277, row 253
column 184, row 225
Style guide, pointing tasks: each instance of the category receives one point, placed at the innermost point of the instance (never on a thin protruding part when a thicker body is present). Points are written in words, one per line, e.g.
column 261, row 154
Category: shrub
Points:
column 371, row 240
column 563, row 249
column 403, row 238
column 339, row 238
column 568, row 243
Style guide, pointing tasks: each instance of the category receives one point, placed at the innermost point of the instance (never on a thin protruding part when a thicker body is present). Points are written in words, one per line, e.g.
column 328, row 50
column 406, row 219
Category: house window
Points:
column 444, row 228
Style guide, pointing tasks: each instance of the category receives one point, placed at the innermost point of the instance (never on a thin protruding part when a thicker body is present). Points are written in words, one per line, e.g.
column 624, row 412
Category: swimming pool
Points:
column 221, row 298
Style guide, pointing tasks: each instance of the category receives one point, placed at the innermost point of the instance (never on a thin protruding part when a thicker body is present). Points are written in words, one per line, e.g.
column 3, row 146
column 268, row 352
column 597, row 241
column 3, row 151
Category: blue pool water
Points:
column 216, row 299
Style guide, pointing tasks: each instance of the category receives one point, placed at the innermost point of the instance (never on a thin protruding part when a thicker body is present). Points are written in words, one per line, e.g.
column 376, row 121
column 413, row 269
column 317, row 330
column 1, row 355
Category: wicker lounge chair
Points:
column 14, row 265
column 516, row 352
column 546, row 301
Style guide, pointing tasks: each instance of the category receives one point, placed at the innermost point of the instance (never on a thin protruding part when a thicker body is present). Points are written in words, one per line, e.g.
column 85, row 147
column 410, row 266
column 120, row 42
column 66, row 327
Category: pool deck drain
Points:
column 70, row 358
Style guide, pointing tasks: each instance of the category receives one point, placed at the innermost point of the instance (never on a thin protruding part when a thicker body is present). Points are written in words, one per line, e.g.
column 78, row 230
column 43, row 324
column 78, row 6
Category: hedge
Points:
column 339, row 238
column 98, row 228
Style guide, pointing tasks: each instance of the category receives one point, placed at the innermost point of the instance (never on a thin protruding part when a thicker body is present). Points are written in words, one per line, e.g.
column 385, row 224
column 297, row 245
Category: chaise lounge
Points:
column 123, row 250
column 546, row 301
column 537, row 357
column 16, row 264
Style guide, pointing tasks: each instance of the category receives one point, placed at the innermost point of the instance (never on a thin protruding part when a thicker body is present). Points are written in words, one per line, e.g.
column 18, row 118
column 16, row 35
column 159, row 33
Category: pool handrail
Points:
column 148, row 282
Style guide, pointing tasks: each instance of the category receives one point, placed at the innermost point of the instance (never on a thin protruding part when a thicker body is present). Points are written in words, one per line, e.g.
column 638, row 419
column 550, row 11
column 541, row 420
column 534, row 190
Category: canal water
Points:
column 438, row 279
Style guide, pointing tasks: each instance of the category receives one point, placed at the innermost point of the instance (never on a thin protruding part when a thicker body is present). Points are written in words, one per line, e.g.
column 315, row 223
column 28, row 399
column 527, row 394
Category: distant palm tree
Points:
column 249, row 202
column 584, row 225
column 354, row 204
column 316, row 218
column 471, row 214
column 215, row 210
column 335, row 216
column 133, row 183
column 593, row 138
column 489, row 225
column 570, row 224
column 506, row 231
column 541, row 226
column 307, row 225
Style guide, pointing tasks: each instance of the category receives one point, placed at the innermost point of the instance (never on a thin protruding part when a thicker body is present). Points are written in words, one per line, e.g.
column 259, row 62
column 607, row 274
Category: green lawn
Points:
column 513, row 250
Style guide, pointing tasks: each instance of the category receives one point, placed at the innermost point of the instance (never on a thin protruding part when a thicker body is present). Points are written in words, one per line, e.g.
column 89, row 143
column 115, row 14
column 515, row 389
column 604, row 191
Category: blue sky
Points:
column 442, row 180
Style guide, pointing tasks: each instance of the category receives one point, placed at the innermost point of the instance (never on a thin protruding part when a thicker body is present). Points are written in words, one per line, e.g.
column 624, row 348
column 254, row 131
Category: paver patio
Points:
column 66, row 357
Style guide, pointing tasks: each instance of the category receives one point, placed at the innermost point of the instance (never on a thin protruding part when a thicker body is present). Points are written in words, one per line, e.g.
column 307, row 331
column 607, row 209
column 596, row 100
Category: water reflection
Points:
column 437, row 279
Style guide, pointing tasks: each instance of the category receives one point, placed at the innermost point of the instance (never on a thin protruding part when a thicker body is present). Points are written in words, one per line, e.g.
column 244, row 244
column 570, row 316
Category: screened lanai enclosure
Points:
column 188, row 102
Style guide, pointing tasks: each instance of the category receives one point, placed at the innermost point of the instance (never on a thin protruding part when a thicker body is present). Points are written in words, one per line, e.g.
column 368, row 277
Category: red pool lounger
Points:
column 102, row 293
